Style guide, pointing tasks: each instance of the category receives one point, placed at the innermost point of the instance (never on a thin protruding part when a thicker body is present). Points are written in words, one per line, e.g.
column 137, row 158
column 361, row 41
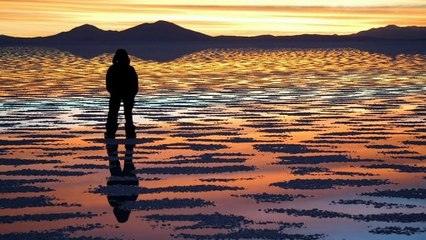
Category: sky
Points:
column 30, row 18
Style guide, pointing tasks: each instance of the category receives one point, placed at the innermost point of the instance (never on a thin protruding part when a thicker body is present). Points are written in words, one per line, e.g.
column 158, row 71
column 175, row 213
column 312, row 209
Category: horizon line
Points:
column 265, row 34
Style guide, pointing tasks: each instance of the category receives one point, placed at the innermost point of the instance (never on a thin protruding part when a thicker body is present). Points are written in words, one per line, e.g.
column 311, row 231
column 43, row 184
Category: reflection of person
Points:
column 122, row 84
column 125, row 178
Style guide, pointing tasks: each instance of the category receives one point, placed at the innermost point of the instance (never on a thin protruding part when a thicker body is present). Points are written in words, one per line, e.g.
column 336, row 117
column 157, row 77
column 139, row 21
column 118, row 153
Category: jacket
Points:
column 122, row 80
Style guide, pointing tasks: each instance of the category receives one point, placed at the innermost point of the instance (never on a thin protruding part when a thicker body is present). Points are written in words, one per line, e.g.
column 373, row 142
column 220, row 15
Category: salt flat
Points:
column 232, row 143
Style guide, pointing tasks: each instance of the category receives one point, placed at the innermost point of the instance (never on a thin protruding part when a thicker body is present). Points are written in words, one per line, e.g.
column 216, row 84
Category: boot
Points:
column 130, row 131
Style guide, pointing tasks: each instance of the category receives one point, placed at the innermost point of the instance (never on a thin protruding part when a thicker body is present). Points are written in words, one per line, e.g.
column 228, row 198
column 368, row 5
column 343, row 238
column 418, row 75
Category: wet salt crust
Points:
column 117, row 190
column 44, row 217
column 400, row 168
column 416, row 193
column 24, row 185
column 320, row 159
column 24, row 202
column 61, row 233
column 398, row 230
column 244, row 233
column 204, row 158
column 374, row 204
column 156, row 204
column 196, row 170
column 226, row 179
column 34, row 172
column 229, row 223
column 17, row 162
column 383, row 217
column 325, row 171
column 328, row 183
column 232, row 144
column 268, row 197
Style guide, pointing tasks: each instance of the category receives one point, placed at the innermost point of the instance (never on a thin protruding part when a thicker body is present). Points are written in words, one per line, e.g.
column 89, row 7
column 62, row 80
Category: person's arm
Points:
column 134, row 80
column 109, row 80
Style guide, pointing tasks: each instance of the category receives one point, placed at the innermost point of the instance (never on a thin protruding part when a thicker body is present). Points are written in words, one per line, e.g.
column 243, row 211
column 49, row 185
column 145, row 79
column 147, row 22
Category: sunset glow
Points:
column 233, row 17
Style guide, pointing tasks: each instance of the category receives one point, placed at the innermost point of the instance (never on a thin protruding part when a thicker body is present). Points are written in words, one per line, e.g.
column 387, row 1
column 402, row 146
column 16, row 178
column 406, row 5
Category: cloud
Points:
column 225, row 17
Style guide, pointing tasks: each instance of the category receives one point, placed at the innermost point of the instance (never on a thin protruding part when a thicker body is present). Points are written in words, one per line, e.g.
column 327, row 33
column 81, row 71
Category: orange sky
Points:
column 219, row 17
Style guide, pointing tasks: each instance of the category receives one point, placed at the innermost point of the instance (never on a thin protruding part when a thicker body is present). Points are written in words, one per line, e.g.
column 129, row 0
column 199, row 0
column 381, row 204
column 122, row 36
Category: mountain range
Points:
column 164, row 41
column 166, row 32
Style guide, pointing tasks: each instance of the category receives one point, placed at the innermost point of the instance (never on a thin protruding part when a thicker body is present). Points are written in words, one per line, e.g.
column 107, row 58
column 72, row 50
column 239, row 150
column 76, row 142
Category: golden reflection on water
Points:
column 235, row 103
column 63, row 74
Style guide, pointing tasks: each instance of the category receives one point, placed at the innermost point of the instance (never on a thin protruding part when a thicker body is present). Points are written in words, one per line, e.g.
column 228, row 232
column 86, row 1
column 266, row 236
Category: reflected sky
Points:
column 232, row 143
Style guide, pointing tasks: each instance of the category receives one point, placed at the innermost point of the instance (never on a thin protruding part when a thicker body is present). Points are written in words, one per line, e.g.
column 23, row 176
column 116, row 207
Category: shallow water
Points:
column 232, row 143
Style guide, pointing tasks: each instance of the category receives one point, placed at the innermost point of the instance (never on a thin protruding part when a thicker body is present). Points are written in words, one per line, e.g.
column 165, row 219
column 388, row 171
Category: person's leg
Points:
column 112, row 125
column 128, row 109
column 128, row 115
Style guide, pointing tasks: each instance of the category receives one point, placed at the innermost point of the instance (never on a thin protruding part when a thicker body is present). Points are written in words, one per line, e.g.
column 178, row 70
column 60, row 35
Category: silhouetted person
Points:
column 122, row 84
column 126, row 178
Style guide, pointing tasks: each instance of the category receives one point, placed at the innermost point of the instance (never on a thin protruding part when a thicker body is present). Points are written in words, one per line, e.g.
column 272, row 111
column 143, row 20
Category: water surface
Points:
column 232, row 143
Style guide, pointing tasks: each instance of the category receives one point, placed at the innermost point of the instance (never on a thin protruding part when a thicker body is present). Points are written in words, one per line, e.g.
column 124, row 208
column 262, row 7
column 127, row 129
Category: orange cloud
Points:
column 46, row 17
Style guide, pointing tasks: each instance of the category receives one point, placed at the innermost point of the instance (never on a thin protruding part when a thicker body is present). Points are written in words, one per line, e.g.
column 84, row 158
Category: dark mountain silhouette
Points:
column 161, row 31
column 6, row 39
column 394, row 32
column 169, row 32
column 165, row 41
column 82, row 33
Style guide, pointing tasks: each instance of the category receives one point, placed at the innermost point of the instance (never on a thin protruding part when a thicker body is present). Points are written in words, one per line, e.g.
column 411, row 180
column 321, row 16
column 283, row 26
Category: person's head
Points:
column 121, row 57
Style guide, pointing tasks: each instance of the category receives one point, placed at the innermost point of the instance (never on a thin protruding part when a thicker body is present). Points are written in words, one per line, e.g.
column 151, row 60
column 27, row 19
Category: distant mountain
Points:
column 6, row 39
column 162, row 32
column 394, row 32
column 82, row 34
